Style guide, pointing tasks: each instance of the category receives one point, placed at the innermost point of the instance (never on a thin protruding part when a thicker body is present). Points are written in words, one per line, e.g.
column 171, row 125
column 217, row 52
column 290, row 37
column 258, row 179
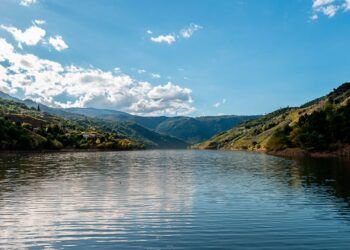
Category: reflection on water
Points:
column 173, row 200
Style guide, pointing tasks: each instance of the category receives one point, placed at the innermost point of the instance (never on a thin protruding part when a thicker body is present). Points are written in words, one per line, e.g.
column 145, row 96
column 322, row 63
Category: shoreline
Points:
column 81, row 150
column 342, row 153
column 65, row 151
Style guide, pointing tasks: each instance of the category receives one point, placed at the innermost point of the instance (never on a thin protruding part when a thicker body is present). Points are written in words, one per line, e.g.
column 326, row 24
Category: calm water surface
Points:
column 173, row 200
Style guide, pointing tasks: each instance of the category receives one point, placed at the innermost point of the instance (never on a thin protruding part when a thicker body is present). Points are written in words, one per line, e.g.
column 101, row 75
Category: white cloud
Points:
column 58, row 43
column 27, row 2
column 218, row 104
column 31, row 36
column 155, row 75
column 34, row 35
column 346, row 5
column 39, row 22
column 319, row 3
column 47, row 81
column 169, row 39
column 188, row 32
column 328, row 8
column 141, row 71
column 314, row 17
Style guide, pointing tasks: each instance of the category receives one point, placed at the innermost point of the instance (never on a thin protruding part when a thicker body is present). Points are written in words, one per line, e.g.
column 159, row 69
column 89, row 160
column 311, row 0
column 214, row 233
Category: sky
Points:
column 183, row 57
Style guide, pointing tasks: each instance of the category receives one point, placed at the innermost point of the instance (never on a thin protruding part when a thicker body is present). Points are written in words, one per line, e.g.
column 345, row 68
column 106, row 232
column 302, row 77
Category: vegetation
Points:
column 29, row 129
column 326, row 129
column 123, row 129
column 317, row 126
column 188, row 129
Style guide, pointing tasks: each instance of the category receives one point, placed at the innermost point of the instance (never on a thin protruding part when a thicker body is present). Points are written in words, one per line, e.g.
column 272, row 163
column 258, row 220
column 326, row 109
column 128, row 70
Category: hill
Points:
column 189, row 129
column 24, row 128
column 153, row 132
column 322, row 125
column 194, row 130
column 72, row 130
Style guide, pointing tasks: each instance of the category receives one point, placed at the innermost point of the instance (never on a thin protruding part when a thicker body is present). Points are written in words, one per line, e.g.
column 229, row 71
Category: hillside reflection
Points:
column 332, row 173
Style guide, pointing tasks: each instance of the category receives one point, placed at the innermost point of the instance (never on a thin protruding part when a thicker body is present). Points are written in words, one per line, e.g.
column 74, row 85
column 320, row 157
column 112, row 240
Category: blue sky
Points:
column 175, row 57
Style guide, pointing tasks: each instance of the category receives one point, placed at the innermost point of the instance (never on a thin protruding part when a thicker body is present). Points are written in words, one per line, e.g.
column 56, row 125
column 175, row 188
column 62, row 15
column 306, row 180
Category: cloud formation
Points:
column 186, row 32
column 27, row 3
column 39, row 21
column 328, row 7
column 56, row 85
column 35, row 35
column 58, row 43
column 169, row 39
column 155, row 75
column 218, row 104
column 31, row 36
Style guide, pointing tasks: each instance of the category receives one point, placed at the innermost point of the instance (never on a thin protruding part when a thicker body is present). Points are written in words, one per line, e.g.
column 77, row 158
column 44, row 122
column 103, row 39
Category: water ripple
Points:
column 172, row 200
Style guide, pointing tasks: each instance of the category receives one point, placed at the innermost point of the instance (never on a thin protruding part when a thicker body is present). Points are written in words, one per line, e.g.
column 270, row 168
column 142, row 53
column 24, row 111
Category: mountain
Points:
column 321, row 125
column 24, row 112
column 136, row 132
column 8, row 97
column 194, row 130
column 154, row 132
column 191, row 130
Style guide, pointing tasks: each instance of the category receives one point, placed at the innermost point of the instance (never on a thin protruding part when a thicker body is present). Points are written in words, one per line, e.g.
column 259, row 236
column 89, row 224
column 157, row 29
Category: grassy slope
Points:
column 255, row 135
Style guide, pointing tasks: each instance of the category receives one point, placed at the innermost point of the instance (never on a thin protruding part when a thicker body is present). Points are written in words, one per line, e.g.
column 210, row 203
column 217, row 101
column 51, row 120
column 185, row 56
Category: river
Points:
column 172, row 199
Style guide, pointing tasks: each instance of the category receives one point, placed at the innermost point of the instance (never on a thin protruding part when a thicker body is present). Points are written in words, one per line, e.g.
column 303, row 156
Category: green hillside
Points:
column 24, row 127
column 194, row 130
column 322, row 125
column 189, row 129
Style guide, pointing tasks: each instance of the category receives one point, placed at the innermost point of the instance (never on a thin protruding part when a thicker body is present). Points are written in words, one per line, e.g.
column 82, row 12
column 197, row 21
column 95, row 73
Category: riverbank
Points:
column 343, row 152
column 66, row 150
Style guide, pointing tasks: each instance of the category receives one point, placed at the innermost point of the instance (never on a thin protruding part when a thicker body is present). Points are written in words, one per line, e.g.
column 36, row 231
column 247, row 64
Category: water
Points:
column 173, row 200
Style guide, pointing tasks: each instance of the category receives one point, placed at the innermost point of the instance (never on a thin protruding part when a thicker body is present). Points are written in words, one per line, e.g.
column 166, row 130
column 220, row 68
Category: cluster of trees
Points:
column 14, row 136
column 27, row 128
column 326, row 129
column 58, row 137
column 21, row 135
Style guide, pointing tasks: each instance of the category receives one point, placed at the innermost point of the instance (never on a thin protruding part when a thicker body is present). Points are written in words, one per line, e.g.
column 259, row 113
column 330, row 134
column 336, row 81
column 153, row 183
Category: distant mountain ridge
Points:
column 9, row 97
column 189, row 129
